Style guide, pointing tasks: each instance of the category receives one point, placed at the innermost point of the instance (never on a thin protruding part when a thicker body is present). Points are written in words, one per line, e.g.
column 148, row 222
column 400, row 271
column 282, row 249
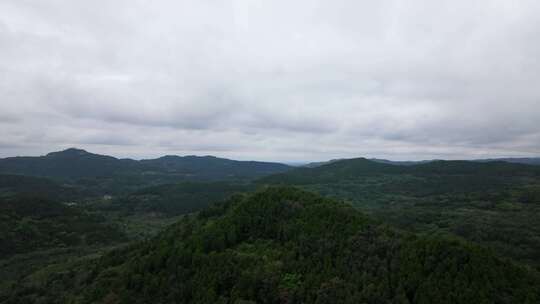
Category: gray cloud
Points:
column 276, row 80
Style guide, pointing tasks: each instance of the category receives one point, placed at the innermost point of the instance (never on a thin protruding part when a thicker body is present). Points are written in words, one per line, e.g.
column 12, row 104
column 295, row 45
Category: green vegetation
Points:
column 282, row 245
column 45, row 223
column 11, row 185
column 495, row 204
column 172, row 199
column 68, row 164
column 28, row 224
column 104, row 230
column 100, row 174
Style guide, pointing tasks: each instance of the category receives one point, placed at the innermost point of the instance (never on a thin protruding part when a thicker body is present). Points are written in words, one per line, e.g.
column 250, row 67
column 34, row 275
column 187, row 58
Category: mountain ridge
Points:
column 76, row 163
column 515, row 160
column 354, row 167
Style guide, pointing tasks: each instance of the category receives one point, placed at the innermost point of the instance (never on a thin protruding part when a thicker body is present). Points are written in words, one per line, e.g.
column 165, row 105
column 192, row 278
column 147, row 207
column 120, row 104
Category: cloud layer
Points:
column 271, row 80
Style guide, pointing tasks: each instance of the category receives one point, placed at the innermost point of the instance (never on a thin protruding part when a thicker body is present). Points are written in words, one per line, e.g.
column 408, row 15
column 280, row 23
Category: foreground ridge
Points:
column 284, row 245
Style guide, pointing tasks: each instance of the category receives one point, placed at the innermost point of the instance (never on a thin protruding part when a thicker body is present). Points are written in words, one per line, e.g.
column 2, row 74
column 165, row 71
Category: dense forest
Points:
column 46, row 223
column 30, row 223
column 173, row 199
column 496, row 204
column 283, row 245
column 382, row 232
column 11, row 185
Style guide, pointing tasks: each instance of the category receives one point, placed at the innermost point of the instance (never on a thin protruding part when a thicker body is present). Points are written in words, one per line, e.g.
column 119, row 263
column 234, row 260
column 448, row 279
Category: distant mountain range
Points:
column 318, row 164
column 377, row 160
column 339, row 170
column 400, row 163
column 214, row 167
column 76, row 164
column 526, row 161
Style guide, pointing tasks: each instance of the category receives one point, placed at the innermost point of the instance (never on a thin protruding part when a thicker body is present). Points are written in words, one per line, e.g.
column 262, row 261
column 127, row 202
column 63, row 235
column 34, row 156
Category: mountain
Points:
column 526, row 161
column 496, row 204
column 74, row 164
column 283, row 245
column 400, row 163
column 361, row 167
column 70, row 164
column 318, row 164
column 331, row 171
column 214, row 168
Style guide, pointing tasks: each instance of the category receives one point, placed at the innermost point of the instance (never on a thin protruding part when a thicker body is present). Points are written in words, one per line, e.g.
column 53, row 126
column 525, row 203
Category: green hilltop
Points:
column 283, row 245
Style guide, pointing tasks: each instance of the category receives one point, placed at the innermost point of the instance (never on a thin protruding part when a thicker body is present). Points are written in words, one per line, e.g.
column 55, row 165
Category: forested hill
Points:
column 70, row 163
column 77, row 164
column 346, row 168
column 361, row 167
column 283, row 245
column 495, row 204
column 523, row 160
column 211, row 167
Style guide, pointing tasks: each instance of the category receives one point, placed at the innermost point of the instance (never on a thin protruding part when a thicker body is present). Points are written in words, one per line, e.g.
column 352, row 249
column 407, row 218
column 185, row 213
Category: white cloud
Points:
column 275, row 80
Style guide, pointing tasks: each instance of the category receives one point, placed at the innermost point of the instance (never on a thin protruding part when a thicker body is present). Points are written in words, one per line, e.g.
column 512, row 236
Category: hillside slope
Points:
column 173, row 199
column 31, row 223
column 11, row 185
column 496, row 204
column 283, row 245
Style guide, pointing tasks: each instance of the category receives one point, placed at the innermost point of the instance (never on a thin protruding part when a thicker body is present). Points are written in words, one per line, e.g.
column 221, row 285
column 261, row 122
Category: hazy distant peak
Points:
column 69, row 151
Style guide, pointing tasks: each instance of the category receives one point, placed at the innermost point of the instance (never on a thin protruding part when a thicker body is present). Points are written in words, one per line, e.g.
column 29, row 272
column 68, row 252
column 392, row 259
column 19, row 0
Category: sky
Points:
column 291, row 81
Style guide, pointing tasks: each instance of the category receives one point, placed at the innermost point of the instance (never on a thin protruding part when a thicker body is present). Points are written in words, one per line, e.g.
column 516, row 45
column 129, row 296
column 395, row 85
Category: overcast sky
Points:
column 271, row 80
